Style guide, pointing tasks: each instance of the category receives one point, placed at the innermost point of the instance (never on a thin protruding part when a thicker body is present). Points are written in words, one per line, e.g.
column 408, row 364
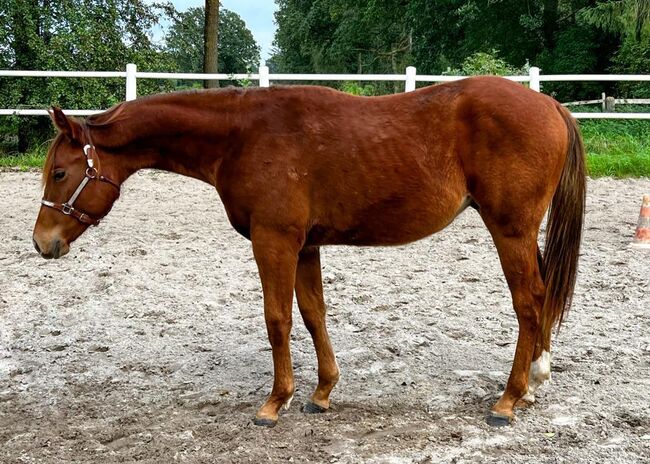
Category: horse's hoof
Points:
column 498, row 420
column 312, row 408
column 270, row 423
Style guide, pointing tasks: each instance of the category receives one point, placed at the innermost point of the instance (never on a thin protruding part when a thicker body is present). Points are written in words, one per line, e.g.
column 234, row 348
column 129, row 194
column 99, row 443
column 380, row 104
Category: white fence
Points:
column 264, row 78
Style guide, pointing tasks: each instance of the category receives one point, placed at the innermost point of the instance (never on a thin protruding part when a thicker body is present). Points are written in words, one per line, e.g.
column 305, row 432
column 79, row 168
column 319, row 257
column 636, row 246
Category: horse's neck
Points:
column 189, row 137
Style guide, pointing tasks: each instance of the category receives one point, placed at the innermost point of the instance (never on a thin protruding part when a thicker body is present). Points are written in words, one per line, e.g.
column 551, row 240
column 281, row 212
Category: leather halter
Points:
column 91, row 173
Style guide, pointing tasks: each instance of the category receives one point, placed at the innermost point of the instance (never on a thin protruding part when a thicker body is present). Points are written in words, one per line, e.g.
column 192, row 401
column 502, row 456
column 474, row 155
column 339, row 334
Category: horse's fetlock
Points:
column 284, row 393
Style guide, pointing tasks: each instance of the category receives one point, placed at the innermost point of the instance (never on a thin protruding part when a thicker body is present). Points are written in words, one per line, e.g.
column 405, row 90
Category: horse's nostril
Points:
column 36, row 245
column 56, row 249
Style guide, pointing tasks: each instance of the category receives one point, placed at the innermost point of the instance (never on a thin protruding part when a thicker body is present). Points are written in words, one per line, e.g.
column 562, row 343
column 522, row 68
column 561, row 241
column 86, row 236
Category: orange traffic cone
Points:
column 642, row 234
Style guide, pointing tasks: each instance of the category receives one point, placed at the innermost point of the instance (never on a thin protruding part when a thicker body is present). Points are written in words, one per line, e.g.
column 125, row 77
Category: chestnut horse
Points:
column 300, row 167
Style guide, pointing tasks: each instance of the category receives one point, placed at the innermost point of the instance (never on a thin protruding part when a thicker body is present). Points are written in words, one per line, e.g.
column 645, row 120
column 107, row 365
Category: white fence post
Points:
column 534, row 83
column 410, row 79
column 131, row 85
column 264, row 76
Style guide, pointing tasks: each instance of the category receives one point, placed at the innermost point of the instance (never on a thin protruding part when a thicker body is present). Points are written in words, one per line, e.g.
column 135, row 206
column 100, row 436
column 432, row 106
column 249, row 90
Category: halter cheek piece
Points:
column 67, row 208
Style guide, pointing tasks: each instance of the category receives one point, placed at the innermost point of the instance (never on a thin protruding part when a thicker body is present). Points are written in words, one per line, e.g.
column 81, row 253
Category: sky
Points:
column 257, row 14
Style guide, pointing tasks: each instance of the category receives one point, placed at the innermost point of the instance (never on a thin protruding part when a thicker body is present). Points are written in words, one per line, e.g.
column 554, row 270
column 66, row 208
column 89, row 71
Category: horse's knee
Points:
column 278, row 329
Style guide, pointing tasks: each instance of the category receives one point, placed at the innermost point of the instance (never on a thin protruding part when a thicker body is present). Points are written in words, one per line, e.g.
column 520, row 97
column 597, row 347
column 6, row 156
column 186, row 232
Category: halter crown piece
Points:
column 67, row 208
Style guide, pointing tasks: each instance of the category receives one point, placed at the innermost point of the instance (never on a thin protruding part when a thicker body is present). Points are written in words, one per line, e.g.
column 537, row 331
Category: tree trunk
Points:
column 210, row 40
column 550, row 22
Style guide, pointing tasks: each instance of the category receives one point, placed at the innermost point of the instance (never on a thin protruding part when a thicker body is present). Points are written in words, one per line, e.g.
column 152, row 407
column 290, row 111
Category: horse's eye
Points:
column 59, row 175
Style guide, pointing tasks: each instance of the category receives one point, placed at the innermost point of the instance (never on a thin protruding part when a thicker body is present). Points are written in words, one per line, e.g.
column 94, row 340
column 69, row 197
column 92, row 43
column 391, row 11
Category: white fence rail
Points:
column 410, row 79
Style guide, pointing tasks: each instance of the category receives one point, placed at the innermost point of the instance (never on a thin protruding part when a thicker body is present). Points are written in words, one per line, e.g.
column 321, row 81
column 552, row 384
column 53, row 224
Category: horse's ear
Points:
column 67, row 126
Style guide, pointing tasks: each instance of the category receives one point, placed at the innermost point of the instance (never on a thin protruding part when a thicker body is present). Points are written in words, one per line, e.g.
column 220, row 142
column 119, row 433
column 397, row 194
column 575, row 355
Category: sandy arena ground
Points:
column 147, row 343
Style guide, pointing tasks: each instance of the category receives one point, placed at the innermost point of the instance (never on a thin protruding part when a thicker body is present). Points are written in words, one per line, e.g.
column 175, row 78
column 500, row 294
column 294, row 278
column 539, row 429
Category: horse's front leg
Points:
column 276, row 255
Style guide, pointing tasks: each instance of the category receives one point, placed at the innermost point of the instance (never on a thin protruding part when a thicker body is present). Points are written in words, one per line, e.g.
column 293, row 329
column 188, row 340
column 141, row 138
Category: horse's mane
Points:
column 124, row 110
column 114, row 114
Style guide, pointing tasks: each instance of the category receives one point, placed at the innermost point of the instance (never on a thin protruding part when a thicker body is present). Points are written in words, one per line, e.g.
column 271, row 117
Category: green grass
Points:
column 24, row 162
column 617, row 148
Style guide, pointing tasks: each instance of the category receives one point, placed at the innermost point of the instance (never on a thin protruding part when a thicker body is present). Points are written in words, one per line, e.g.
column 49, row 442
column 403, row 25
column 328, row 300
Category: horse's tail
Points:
column 564, row 230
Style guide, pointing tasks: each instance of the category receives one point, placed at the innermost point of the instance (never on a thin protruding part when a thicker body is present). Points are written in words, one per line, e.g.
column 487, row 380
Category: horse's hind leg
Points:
column 518, row 254
column 309, row 293
column 540, row 369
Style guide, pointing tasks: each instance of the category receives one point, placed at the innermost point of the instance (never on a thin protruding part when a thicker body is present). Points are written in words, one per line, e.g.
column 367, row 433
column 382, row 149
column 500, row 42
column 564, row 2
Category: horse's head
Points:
column 78, row 188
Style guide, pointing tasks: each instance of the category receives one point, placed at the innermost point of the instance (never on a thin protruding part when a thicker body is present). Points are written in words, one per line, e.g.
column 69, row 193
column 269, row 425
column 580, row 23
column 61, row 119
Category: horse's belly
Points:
column 381, row 225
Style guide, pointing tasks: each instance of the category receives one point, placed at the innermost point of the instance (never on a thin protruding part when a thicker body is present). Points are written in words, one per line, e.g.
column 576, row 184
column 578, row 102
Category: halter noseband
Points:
column 67, row 208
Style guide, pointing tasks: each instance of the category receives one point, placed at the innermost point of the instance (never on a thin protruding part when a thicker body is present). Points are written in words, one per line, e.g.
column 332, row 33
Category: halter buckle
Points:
column 91, row 172
column 66, row 209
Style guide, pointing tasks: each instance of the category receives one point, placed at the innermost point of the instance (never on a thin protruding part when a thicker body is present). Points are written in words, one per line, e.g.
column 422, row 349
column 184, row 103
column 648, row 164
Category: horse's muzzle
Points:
column 55, row 250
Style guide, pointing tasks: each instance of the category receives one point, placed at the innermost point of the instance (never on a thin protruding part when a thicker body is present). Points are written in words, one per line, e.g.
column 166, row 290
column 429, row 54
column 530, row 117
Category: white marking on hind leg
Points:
column 528, row 397
column 540, row 372
column 287, row 405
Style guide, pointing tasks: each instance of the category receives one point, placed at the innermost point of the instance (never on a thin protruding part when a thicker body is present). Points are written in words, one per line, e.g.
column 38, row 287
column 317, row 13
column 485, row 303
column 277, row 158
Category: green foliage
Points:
column 633, row 58
column 74, row 35
column 437, row 34
column 626, row 17
column 184, row 38
column 345, row 36
column 630, row 21
column 100, row 35
column 237, row 50
column 618, row 148
column 511, row 26
column 481, row 63
column 355, row 88
column 577, row 51
column 33, row 159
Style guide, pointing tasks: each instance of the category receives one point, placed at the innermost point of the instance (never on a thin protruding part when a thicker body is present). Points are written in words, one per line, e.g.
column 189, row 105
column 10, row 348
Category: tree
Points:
column 626, row 17
column 385, row 37
column 210, row 41
column 237, row 52
column 74, row 35
column 343, row 36
column 630, row 21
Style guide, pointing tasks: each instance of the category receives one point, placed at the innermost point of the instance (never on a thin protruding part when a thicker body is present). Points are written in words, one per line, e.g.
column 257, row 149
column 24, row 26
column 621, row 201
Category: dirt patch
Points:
column 147, row 343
